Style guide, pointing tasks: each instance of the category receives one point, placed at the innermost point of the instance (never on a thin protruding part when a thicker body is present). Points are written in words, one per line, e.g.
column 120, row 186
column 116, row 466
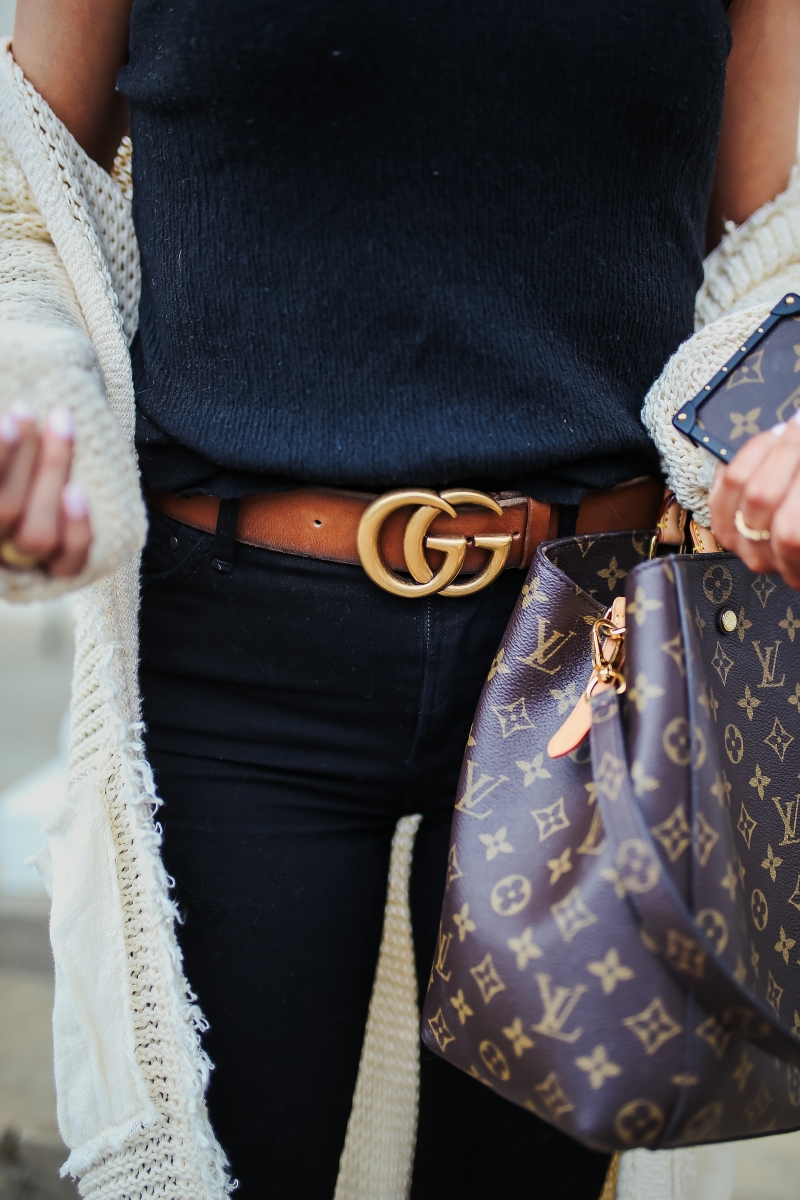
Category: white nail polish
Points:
column 778, row 429
column 74, row 500
column 22, row 412
column 796, row 417
column 9, row 429
column 61, row 424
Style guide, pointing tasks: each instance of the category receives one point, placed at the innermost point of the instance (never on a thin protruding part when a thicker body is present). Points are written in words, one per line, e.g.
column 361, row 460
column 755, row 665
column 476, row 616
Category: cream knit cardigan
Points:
column 129, row 1066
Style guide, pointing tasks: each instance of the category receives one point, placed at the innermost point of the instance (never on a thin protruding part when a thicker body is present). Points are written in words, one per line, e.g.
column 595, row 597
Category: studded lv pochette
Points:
column 619, row 949
column 756, row 388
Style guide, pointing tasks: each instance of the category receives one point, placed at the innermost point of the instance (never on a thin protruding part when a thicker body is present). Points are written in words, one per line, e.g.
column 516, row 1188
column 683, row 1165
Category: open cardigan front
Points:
column 130, row 1069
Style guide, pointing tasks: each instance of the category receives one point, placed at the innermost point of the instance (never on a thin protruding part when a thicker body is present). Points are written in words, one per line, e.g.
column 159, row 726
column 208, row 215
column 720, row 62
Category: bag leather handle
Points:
column 663, row 915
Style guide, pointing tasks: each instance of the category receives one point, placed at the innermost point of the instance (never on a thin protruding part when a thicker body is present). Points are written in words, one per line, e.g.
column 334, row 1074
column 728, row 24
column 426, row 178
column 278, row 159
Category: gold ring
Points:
column 752, row 535
column 11, row 557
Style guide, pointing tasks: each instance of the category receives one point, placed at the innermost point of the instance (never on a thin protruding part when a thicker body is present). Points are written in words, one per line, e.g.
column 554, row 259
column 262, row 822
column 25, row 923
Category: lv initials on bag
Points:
column 622, row 916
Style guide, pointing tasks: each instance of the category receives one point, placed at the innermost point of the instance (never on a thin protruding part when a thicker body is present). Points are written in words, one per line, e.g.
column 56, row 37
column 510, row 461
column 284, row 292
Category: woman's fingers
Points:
column 76, row 533
column 43, row 516
column 9, row 440
column 785, row 539
column 754, row 485
column 20, row 458
column 39, row 530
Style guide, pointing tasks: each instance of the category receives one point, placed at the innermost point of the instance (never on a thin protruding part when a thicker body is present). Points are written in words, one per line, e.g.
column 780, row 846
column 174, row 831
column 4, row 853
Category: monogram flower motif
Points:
column 749, row 702
column 610, row 971
column 463, row 1010
column 567, row 697
column 498, row 667
column 533, row 770
column 598, row 1067
column 729, row 881
column 641, row 605
column 743, row 423
column 790, row 624
column 559, row 866
column 518, row 1038
column 463, row 923
column 742, row 625
column 643, row 692
column 533, row 591
column 721, row 789
column 612, row 574
column 760, row 781
column 525, row 948
column 771, row 863
column 784, row 945
column 496, row 843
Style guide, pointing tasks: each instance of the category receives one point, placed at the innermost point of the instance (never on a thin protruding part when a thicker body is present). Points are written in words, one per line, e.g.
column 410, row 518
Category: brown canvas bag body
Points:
column 619, row 949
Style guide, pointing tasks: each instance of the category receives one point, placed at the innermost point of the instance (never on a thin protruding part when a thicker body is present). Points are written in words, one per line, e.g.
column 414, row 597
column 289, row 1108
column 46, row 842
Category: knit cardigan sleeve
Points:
column 755, row 265
column 46, row 359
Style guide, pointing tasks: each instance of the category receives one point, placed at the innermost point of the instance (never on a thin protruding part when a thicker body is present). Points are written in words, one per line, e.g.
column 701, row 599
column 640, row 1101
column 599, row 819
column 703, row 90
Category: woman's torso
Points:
column 422, row 244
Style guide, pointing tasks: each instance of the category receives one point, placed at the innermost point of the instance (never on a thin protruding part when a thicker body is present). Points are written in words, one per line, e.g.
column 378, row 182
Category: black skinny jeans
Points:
column 294, row 713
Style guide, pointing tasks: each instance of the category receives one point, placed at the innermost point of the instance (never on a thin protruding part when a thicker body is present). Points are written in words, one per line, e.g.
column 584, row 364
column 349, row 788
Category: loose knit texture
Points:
column 61, row 216
column 67, row 293
column 752, row 268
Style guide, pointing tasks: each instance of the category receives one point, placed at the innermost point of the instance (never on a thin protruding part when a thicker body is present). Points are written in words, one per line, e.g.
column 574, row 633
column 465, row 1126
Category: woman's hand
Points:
column 762, row 486
column 44, row 518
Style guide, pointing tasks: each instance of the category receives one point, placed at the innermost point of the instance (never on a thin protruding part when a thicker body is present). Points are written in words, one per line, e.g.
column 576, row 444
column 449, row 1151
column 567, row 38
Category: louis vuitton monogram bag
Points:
column 619, row 949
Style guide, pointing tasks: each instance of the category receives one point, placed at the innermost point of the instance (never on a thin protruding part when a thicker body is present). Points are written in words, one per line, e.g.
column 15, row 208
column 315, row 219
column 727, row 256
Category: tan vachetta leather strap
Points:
column 317, row 522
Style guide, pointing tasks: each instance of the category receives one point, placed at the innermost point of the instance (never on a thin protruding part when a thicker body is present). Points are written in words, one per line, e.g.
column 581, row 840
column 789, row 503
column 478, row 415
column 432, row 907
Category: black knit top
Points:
column 427, row 242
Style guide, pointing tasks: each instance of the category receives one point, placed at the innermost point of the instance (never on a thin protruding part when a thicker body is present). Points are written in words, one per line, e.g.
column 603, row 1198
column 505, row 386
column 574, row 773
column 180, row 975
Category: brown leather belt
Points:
column 331, row 524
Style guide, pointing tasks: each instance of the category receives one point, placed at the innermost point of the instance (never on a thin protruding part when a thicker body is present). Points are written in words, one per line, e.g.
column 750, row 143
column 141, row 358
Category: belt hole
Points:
column 317, row 522
column 515, row 534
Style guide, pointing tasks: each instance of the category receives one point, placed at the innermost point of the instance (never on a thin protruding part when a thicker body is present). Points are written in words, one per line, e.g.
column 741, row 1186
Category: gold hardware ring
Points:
column 752, row 535
column 11, row 557
column 428, row 505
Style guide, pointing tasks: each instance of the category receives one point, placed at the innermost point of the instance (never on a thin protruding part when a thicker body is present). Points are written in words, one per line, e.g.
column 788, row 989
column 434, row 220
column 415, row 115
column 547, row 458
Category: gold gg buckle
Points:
column 416, row 540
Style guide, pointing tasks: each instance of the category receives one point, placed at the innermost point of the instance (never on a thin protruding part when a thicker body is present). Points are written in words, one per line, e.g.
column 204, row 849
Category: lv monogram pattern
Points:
column 763, row 389
column 545, row 986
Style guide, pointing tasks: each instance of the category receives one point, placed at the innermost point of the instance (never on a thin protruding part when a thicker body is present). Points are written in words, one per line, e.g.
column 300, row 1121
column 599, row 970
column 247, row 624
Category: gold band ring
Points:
column 11, row 557
column 752, row 535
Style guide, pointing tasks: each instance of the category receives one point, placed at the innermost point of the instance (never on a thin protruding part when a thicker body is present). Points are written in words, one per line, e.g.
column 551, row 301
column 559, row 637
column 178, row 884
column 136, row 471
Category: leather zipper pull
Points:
column 606, row 672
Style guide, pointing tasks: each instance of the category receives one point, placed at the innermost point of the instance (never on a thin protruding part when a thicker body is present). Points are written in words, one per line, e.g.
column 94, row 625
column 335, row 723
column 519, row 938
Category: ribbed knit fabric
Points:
column 416, row 243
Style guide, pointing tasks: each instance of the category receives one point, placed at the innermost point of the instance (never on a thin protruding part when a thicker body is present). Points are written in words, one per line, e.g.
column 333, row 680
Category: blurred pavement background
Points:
column 35, row 665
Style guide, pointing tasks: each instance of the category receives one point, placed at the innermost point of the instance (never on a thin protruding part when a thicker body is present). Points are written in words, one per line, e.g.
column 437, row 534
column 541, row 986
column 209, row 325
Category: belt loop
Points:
column 223, row 549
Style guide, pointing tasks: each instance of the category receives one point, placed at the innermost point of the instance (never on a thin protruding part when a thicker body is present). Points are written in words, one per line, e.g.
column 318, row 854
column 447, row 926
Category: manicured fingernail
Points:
column 22, row 412
column 796, row 417
column 778, row 429
column 73, row 497
column 9, row 429
column 61, row 424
